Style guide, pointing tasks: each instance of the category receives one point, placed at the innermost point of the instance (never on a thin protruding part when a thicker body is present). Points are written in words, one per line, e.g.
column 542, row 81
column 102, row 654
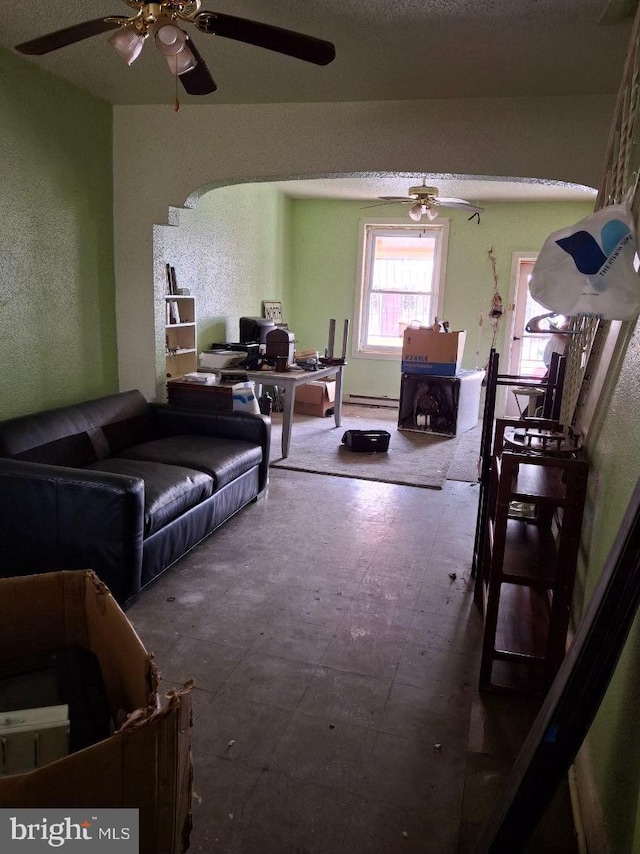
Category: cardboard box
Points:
column 432, row 353
column 146, row 763
column 315, row 398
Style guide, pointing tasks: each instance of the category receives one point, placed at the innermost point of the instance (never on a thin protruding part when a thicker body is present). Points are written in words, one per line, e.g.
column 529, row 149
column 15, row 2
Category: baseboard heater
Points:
column 370, row 400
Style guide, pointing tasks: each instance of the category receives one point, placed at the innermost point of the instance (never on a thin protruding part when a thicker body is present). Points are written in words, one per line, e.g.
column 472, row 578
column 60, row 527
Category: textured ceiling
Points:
column 475, row 190
column 386, row 50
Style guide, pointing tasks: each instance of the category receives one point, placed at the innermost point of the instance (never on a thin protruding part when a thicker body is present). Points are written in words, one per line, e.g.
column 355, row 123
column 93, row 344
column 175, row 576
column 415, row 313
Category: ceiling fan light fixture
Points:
column 181, row 62
column 415, row 212
column 432, row 213
column 170, row 40
column 128, row 42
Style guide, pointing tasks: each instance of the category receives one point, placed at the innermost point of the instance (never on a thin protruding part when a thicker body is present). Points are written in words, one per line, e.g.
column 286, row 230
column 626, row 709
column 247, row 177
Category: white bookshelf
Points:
column 180, row 335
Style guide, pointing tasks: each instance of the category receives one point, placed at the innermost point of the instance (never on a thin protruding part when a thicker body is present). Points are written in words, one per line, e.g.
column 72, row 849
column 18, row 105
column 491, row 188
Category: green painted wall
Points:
column 232, row 251
column 58, row 341
column 325, row 272
column 614, row 738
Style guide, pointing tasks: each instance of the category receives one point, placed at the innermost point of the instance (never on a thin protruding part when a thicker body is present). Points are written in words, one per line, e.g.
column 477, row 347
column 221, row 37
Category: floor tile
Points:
column 379, row 827
column 286, row 816
column 287, row 637
column 237, row 624
column 424, row 715
column 238, row 730
column 270, row 680
column 206, row 662
column 321, row 606
column 336, row 708
column 348, row 697
column 359, row 648
column 459, row 630
column 427, row 664
column 500, row 723
column 389, row 619
column 402, row 771
column 314, row 750
column 389, row 588
column 220, row 791
column 484, row 783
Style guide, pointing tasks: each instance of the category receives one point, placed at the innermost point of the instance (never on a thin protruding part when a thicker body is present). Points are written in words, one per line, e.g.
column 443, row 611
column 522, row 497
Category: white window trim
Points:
column 440, row 274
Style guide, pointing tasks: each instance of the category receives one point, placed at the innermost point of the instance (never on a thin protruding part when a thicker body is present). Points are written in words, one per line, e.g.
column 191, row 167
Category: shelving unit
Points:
column 180, row 335
column 551, row 389
column 535, row 508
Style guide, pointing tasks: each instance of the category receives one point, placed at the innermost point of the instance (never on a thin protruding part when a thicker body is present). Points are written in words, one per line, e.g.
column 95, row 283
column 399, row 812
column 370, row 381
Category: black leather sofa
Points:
column 122, row 486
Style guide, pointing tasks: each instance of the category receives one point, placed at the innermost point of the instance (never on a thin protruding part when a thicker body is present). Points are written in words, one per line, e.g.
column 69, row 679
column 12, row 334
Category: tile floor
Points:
column 332, row 634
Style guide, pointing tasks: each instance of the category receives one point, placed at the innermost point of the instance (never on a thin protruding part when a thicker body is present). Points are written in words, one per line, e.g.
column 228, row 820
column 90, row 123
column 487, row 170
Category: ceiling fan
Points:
column 162, row 21
column 426, row 201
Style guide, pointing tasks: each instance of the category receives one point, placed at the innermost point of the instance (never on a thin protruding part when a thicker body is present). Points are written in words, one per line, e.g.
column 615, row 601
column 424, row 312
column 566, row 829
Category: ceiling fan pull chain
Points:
column 176, row 103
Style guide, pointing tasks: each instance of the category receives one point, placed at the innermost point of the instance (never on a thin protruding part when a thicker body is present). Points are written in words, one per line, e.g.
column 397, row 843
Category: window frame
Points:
column 370, row 226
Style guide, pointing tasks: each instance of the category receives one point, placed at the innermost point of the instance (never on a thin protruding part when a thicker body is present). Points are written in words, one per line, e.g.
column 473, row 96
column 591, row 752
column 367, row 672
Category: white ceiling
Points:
column 385, row 50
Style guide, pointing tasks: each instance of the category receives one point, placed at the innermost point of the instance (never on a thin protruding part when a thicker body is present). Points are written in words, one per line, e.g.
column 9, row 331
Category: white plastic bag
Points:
column 244, row 398
column 588, row 269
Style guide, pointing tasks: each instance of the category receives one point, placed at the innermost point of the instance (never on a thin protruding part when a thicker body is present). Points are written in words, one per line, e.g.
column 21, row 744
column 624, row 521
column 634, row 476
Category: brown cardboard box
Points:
column 432, row 353
column 315, row 398
column 146, row 763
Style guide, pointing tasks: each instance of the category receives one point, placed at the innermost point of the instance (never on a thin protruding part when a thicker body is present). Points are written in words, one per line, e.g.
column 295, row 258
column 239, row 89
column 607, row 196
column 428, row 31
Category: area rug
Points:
column 466, row 459
column 413, row 459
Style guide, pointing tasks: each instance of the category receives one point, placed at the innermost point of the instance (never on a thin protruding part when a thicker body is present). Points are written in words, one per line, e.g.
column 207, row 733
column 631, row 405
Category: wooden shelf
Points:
column 523, row 624
column 536, row 483
column 528, row 567
column 180, row 338
column 530, row 553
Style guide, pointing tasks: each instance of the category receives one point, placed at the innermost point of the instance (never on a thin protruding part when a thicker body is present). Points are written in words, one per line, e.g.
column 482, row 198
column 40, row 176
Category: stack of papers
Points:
column 214, row 360
column 202, row 378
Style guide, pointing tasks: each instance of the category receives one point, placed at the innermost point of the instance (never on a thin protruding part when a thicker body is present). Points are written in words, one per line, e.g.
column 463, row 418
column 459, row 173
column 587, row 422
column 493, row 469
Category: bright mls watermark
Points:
column 108, row 830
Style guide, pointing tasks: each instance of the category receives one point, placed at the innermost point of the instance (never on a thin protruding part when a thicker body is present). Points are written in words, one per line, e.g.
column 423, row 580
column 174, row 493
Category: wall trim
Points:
column 370, row 400
column 585, row 804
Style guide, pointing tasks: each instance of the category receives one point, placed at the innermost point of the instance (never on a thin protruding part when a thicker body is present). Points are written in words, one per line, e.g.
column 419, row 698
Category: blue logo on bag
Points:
column 588, row 257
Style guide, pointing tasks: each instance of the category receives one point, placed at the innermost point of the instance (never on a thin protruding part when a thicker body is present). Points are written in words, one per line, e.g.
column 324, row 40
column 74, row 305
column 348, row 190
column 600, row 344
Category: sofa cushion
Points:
column 59, row 437
column 169, row 490
column 123, row 419
column 79, row 434
column 223, row 459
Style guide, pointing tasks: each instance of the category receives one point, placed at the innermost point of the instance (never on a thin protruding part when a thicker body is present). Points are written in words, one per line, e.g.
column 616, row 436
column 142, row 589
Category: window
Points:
column 402, row 280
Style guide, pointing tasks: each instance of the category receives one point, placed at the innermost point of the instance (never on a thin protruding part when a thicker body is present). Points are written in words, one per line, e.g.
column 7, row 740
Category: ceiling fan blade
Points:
column 378, row 205
column 198, row 81
column 458, row 203
column 397, row 198
column 450, row 200
column 288, row 42
column 69, row 35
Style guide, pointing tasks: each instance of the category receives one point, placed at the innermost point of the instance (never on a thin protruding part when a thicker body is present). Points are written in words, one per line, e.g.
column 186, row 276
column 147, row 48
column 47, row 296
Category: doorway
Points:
column 526, row 349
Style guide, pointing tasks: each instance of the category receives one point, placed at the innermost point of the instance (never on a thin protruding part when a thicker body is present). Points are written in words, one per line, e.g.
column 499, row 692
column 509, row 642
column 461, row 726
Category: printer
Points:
column 255, row 329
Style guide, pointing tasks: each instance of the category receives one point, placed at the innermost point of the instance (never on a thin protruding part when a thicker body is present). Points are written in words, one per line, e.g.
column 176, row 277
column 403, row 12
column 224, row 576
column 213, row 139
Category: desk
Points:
column 288, row 381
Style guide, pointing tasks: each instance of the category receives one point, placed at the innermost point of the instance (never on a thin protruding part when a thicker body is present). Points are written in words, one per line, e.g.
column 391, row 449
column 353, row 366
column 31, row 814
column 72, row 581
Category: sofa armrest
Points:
column 177, row 420
column 54, row 517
